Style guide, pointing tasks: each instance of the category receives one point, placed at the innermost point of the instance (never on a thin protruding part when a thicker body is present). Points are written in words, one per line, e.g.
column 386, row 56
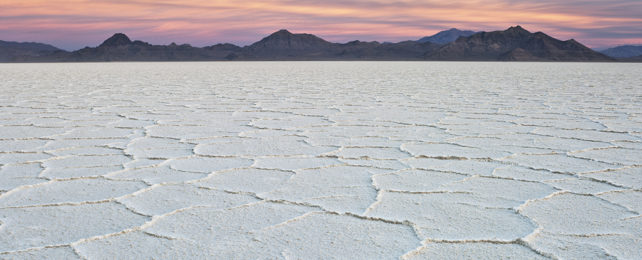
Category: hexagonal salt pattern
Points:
column 309, row 160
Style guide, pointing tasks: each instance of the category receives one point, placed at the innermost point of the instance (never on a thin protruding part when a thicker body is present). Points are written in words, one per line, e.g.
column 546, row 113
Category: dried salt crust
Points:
column 364, row 160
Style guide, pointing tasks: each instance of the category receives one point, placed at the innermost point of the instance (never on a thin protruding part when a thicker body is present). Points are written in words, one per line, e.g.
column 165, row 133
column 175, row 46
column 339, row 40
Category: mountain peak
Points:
column 283, row 31
column 280, row 34
column 446, row 36
column 285, row 40
column 117, row 40
column 517, row 29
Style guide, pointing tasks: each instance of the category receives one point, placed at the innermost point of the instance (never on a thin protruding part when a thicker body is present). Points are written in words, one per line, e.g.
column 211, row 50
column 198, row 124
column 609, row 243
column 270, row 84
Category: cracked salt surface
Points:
column 363, row 160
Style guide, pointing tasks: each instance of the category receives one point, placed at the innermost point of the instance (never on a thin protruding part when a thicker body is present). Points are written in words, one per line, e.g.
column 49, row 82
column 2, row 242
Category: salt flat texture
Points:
column 308, row 160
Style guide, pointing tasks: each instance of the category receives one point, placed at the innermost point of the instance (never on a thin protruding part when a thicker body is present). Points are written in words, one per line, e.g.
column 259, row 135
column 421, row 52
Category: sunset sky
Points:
column 73, row 24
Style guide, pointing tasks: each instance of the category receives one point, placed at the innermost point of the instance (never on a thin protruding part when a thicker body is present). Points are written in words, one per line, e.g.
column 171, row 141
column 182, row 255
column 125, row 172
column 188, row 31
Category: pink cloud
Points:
column 75, row 23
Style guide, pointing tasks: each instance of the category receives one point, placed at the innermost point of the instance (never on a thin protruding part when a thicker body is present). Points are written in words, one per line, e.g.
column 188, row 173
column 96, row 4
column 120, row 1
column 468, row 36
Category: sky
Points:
column 73, row 24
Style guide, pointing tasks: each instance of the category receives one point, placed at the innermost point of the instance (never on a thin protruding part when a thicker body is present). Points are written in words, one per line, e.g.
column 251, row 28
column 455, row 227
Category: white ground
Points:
column 353, row 160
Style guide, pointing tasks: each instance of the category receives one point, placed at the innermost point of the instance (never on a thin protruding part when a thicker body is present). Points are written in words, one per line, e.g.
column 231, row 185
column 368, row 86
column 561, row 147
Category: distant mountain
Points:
column 10, row 51
column 118, row 39
column 515, row 44
column 625, row 51
column 283, row 40
column 120, row 48
column 447, row 36
column 406, row 50
column 284, row 45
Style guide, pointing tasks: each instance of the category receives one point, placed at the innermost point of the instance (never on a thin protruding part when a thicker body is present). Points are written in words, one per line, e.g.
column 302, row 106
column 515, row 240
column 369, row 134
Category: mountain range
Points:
column 513, row 44
column 9, row 50
column 625, row 51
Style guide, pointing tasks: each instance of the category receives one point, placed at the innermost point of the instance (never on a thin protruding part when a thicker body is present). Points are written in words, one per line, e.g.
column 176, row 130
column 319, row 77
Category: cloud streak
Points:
column 72, row 24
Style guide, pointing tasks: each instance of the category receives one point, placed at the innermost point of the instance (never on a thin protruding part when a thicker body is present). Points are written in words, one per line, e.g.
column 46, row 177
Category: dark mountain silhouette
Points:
column 514, row 44
column 447, row 36
column 284, row 44
column 16, row 50
column 625, row 51
column 120, row 48
column 283, row 40
column 406, row 50
column 117, row 39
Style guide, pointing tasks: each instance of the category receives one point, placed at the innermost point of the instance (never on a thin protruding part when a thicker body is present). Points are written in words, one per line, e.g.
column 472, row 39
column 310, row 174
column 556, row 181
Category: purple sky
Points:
column 73, row 24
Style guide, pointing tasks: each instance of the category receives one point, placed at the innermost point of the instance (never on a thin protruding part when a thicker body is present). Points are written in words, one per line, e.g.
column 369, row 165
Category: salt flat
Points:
column 347, row 160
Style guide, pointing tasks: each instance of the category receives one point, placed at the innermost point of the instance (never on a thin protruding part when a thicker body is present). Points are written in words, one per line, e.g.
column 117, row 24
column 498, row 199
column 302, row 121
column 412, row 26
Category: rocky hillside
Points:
column 515, row 44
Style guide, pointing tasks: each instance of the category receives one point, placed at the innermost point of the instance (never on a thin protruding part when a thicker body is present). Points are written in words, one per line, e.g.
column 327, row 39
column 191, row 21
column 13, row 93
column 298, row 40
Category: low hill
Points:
column 12, row 51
